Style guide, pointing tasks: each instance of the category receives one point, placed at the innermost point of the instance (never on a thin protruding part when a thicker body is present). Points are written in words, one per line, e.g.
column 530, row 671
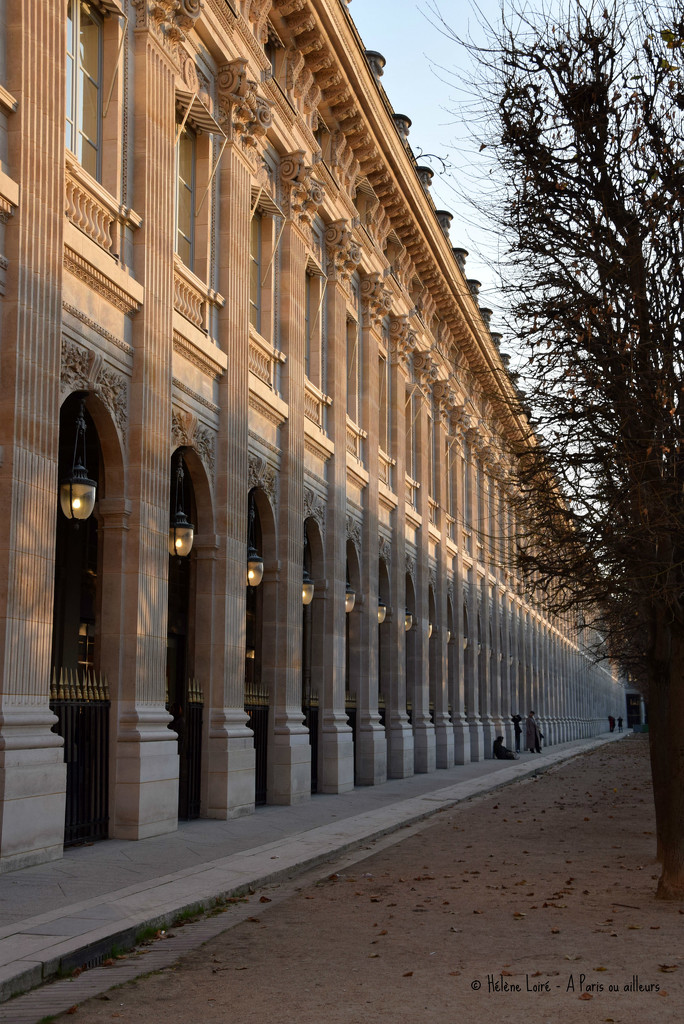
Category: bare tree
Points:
column 587, row 129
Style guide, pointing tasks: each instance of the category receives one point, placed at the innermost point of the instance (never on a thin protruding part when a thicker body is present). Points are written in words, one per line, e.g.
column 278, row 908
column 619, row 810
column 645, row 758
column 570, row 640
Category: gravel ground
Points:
column 534, row 904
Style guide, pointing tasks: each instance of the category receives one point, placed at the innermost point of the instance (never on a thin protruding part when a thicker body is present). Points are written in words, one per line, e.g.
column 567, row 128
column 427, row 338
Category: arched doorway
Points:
column 79, row 695
column 384, row 640
column 256, row 693
column 184, row 697
column 410, row 645
column 312, row 639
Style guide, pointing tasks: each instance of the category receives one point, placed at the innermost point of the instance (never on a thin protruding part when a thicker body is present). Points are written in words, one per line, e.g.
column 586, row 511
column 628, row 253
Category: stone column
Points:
column 228, row 772
column 336, row 773
column 423, row 729
column 371, row 745
column 32, row 772
column 397, row 727
column 438, row 645
column 145, row 758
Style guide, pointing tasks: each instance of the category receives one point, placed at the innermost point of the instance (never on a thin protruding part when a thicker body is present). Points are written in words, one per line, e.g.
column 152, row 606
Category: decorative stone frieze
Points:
column 262, row 475
column 303, row 193
column 243, row 113
column 444, row 397
column 343, row 251
column 314, row 508
column 354, row 532
column 186, row 430
column 376, row 299
column 385, row 551
column 410, row 564
column 85, row 370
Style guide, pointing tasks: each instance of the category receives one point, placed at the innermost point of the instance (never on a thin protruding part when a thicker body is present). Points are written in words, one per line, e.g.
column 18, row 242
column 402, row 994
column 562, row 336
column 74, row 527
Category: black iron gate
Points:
column 257, row 707
column 310, row 712
column 82, row 709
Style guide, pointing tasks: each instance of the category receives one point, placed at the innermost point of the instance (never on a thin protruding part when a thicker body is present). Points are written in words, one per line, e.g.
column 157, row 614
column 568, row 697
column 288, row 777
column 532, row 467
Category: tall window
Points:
column 84, row 85
column 185, row 197
column 255, row 248
column 354, row 355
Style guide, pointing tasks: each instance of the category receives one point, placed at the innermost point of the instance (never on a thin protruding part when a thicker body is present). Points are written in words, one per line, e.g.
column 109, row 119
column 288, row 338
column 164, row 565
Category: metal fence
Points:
column 81, row 704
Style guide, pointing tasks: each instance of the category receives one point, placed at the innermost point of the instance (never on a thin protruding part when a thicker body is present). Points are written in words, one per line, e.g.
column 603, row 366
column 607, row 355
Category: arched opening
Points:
column 79, row 695
column 312, row 639
column 410, row 645
column 184, row 699
column 452, row 661
column 384, row 639
column 434, row 655
column 256, row 694
column 352, row 646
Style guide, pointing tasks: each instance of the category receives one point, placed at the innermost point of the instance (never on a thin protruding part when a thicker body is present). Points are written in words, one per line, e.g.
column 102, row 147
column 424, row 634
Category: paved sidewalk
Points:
column 72, row 912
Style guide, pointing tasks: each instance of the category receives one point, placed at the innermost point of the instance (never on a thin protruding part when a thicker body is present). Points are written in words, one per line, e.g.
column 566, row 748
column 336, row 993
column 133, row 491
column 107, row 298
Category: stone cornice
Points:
column 86, row 271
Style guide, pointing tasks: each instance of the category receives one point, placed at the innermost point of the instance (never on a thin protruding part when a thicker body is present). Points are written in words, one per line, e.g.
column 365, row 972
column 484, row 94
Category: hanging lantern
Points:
column 382, row 611
column 255, row 563
column 429, row 630
column 408, row 620
column 349, row 598
column 77, row 491
column 181, row 532
column 307, row 588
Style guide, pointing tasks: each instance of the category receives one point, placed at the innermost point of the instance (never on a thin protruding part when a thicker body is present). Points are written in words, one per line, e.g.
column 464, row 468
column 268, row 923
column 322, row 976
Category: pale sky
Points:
column 416, row 51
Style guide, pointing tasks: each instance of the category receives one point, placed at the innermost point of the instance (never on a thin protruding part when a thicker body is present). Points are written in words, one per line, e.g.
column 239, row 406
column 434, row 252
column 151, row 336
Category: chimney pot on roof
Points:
column 474, row 286
column 426, row 174
column 460, row 255
column 403, row 124
column 377, row 63
column 445, row 218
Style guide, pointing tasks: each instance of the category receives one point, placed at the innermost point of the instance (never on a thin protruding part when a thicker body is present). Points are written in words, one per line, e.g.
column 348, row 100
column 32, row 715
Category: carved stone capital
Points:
column 173, row 18
column 344, row 253
column 402, row 338
column 245, row 114
column 425, row 368
column 304, row 192
column 376, row 298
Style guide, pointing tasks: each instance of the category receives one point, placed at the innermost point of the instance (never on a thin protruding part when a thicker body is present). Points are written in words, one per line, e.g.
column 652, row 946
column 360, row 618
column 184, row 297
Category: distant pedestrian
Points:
column 532, row 734
column 517, row 719
column 620, row 724
column 500, row 752
column 611, row 723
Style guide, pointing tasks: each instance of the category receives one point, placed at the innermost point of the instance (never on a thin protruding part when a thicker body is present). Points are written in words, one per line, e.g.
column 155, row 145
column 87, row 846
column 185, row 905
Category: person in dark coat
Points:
column 517, row 725
column 500, row 752
column 532, row 734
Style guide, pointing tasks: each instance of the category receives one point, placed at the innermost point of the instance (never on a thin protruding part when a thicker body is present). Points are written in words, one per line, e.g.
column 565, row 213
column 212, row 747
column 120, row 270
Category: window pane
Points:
column 89, row 44
column 184, row 249
column 185, row 211
column 89, row 108
column 185, row 155
column 88, row 157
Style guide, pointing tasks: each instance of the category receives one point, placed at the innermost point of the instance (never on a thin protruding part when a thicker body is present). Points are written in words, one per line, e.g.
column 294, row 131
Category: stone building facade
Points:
column 218, row 256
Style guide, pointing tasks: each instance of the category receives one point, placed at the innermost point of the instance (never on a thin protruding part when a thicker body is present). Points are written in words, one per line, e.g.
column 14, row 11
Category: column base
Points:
column 461, row 740
column 32, row 789
column 289, row 761
column 444, row 741
column 400, row 763
column 145, row 770
column 424, row 748
column 476, row 739
column 228, row 782
column 371, row 752
column 336, row 755
column 490, row 731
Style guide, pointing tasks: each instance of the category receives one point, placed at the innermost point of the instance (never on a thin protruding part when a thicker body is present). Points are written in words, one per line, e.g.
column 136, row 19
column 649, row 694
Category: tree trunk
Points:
column 666, row 734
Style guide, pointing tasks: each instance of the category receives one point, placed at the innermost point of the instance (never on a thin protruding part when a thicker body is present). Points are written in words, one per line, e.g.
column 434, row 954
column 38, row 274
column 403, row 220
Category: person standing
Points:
column 620, row 724
column 532, row 735
column 517, row 720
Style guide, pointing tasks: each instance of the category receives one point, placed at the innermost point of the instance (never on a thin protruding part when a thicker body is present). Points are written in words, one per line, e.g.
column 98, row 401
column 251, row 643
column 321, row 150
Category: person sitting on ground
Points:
column 500, row 752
